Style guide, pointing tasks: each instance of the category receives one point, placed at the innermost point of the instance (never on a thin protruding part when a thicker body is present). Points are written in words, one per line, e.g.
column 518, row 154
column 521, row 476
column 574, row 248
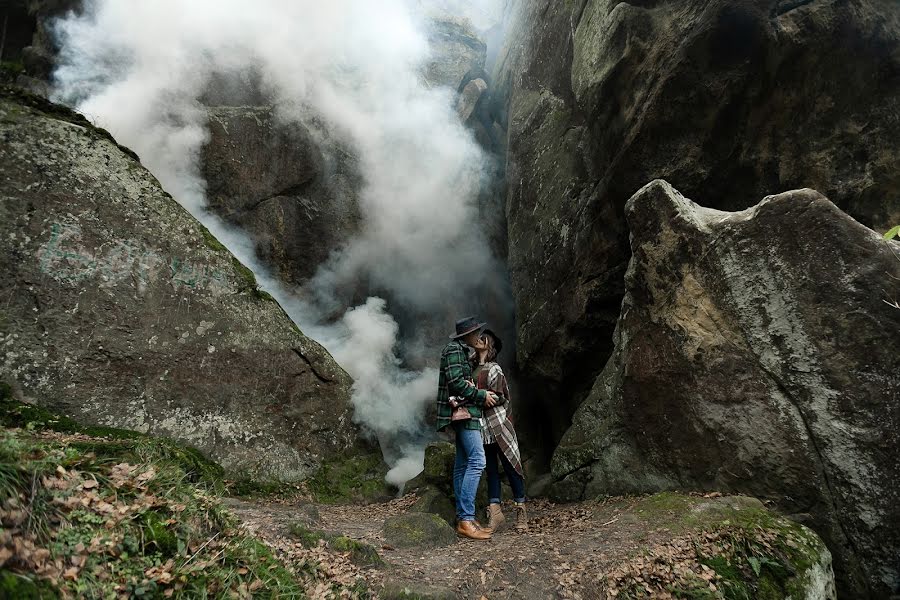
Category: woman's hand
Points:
column 492, row 400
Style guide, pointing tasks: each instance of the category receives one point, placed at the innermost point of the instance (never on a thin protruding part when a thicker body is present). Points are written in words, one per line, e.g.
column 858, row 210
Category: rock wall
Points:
column 293, row 189
column 755, row 353
column 728, row 100
column 120, row 309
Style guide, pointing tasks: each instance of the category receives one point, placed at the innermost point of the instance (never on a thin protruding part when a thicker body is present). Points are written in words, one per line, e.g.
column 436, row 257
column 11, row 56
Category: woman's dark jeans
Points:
column 492, row 452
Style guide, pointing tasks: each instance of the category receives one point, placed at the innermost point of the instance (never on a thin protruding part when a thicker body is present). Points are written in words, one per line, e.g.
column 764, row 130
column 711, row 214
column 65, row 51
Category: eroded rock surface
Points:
column 118, row 308
column 729, row 101
column 755, row 353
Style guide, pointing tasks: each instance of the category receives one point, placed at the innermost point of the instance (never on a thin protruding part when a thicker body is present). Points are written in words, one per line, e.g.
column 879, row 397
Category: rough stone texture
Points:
column 418, row 530
column 469, row 97
column 293, row 189
column 29, row 41
column 118, row 308
column 457, row 53
column 729, row 99
column 438, row 466
column 755, row 353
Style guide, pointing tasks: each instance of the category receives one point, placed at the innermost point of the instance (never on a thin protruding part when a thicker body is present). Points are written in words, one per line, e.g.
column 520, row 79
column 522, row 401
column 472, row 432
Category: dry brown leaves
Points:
column 331, row 568
column 20, row 548
column 675, row 564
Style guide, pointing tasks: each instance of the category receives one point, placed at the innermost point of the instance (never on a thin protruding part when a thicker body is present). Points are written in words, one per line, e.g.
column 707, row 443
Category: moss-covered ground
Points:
column 720, row 548
column 104, row 513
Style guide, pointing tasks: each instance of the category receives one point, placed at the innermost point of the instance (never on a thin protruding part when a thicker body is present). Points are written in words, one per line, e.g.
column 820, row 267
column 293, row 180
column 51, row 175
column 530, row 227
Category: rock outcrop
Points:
column 728, row 100
column 457, row 53
column 120, row 309
column 294, row 191
column 755, row 353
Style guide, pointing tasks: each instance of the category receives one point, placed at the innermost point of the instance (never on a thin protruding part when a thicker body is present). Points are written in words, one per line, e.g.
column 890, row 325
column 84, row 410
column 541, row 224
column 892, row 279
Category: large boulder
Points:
column 457, row 52
column 755, row 353
column 291, row 187
column 121, row 309
column 731, row 100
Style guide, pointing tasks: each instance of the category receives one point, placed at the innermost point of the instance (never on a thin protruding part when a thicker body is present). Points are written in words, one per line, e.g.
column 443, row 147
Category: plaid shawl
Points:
column 497, row 425
column 455, row 379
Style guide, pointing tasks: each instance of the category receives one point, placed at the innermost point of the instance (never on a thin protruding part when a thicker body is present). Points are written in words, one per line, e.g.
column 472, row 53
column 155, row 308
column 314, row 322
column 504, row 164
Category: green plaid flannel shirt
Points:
column 456, row 380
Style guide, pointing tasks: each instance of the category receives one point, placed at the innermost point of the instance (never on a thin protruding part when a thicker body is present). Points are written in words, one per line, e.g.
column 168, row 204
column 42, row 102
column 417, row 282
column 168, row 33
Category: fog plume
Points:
column 139, row 69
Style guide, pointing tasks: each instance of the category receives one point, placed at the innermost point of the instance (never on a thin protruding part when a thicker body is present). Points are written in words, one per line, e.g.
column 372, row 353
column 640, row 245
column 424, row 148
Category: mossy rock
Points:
column 438, row 471
column 109, row 441
column 355, row 477
column 418, row 530
column 58, row 111
column 434, row 501
column 404, row 590
column 762, row 555
column 361, row 553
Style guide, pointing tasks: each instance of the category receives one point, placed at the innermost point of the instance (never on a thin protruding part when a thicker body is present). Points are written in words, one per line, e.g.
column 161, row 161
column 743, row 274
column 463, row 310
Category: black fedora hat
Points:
column 466, row 326
column 498, row 343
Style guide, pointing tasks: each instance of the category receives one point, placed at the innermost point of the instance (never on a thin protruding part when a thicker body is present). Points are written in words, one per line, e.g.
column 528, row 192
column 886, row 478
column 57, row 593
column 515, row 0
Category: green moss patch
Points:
column 356, row 477
column 211, row 241
column 360, row 553
column 247, row 281
column 724, row 548
column 120, row 444
column 132, row 517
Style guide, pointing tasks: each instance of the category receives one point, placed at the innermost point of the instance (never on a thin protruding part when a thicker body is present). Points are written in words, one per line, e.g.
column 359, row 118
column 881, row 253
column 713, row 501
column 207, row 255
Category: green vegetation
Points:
column 351, row 478
column 248, row 280
column 115, row 513
column 211, row 241
column 360, row 553
column 10, row 70
column 732, row 550
column 892, row 233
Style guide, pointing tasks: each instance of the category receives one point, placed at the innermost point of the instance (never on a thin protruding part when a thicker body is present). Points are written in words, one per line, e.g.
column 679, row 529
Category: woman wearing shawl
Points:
column 499, row 435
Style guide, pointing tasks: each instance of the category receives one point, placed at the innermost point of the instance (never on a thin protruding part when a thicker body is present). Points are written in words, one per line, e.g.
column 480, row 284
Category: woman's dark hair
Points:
column 494, row 345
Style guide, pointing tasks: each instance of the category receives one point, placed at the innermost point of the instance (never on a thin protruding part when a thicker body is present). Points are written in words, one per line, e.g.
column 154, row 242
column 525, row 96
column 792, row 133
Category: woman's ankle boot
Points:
column 495, row 517
column 521, row 517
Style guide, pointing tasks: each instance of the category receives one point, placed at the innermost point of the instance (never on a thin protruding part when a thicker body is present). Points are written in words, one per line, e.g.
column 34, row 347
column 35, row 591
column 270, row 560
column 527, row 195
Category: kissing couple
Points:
column 474, row 402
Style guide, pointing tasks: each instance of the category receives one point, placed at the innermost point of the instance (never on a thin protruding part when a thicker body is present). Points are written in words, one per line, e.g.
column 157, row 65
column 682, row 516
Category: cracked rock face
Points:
column 729, row 100
column 755, row 353
column 118, row 308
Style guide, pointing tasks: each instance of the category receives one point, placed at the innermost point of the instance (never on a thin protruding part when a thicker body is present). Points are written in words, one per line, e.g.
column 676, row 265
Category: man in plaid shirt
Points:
column 455, row 381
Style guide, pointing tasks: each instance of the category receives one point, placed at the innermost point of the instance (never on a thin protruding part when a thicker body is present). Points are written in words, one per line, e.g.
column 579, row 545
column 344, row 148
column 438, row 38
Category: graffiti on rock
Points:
column 64, row 258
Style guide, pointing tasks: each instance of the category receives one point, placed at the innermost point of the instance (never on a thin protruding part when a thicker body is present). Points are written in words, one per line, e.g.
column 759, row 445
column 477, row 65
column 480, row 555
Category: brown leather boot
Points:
column 484, row 528
column 495, row 517
column 470, row 530
column 521, row 517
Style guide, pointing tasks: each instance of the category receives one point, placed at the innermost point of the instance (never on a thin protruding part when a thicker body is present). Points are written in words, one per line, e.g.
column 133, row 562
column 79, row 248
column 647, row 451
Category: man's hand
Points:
column 491, row 400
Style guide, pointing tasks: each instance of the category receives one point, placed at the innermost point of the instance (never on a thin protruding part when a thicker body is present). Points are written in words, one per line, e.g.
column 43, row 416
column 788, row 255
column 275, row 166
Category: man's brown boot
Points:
column 521, row 517
column 495, row 517
column 470, row 530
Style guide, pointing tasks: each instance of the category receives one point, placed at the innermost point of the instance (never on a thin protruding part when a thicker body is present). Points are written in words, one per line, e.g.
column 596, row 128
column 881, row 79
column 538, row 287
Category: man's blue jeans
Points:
column 467, row 470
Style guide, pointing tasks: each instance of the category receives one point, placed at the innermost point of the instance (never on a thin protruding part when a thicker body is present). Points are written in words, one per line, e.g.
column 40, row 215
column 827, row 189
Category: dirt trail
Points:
column 563, row 555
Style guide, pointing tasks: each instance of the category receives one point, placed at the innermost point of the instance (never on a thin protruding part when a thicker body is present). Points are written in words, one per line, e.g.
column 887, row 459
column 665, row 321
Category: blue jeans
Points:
column 467, row 470
column 517, row 482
